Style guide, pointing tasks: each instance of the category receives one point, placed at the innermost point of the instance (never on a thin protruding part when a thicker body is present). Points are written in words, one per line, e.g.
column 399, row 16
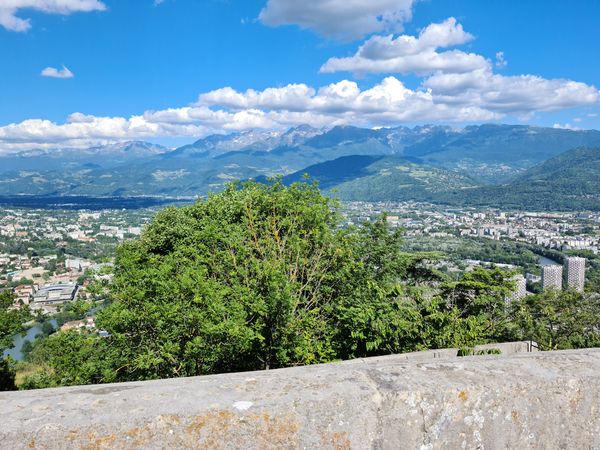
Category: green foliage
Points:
column 460, row 248
column 478, row 305
column 558, row 320
column 75, row 310
column 247, row 279
column 68, row 358
column 47, row 329
column 264, row 276
column 11, row 320
column 412, row 316
column 26, row 348
column 11, row 323
column 7, row 375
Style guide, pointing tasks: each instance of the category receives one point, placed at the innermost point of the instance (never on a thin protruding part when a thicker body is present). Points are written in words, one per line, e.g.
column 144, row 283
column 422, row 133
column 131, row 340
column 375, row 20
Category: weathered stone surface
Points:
column 510, row 348
column 530, row 400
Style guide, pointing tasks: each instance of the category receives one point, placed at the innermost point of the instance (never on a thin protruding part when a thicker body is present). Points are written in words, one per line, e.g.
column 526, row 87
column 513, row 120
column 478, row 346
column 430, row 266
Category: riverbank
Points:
column 32, row 333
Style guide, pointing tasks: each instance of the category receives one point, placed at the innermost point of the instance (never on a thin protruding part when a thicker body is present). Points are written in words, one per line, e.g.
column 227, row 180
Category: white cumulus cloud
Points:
column 226, row 110
column 470, row 97
column 410, row 54
column 341, row 19
column 386, row 103
column 52, row 72
column 520, row 94
column 11, row 9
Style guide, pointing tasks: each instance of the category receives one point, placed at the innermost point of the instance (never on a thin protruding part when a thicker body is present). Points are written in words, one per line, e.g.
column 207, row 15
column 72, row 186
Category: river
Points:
column 547, row 261
column 20, row 339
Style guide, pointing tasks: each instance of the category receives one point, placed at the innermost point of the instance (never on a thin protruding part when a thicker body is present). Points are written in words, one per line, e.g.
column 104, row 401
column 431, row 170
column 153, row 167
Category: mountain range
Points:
column 503, row 165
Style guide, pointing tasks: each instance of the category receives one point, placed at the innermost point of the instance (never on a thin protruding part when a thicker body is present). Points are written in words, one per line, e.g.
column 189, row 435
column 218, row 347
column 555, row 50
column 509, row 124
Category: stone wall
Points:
column 519, row 401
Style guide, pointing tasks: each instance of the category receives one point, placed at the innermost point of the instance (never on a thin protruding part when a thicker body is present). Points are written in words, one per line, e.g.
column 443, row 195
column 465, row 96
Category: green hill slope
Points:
column 384, row 178
column 570, row 181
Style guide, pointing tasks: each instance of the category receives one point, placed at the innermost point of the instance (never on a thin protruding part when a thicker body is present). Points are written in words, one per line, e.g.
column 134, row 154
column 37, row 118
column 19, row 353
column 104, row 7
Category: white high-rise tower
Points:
column 575, row 273
column 520, row 288
column 552, row 277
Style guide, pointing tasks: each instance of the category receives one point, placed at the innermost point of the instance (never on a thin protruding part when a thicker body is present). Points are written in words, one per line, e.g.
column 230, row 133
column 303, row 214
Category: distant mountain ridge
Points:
column 67, row 159
column 389, row 163
column 497, row 153
column 216, row 145
column 138, row 148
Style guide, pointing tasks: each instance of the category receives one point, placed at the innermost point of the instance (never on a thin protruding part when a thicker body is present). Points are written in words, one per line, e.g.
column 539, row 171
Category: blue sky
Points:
column 133, row 69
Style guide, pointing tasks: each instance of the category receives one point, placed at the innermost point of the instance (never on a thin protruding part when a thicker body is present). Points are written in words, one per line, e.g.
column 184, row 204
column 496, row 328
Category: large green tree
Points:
column 247, row 279
column 258, row 276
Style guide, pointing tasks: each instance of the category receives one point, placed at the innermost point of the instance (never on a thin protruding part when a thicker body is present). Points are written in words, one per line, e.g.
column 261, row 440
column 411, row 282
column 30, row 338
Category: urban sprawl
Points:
column 44, row 254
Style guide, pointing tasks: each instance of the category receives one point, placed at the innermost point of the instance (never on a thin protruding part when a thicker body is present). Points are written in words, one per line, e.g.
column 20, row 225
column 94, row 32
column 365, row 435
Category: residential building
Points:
column 552, row 277
column 77, row 264
column 520, row 290
column 24, row 293
column 89, row 324
column 575, row 273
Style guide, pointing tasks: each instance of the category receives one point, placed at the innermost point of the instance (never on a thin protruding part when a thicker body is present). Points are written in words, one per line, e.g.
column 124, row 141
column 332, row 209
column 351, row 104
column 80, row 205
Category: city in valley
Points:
column 49, row 257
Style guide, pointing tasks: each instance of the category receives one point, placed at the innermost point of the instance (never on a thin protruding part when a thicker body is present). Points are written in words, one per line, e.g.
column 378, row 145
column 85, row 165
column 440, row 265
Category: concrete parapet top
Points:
column 531, row 400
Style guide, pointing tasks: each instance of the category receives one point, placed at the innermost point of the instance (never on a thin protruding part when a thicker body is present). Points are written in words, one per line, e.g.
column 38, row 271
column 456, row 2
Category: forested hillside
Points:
column 570, row 181
column 389, row 178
